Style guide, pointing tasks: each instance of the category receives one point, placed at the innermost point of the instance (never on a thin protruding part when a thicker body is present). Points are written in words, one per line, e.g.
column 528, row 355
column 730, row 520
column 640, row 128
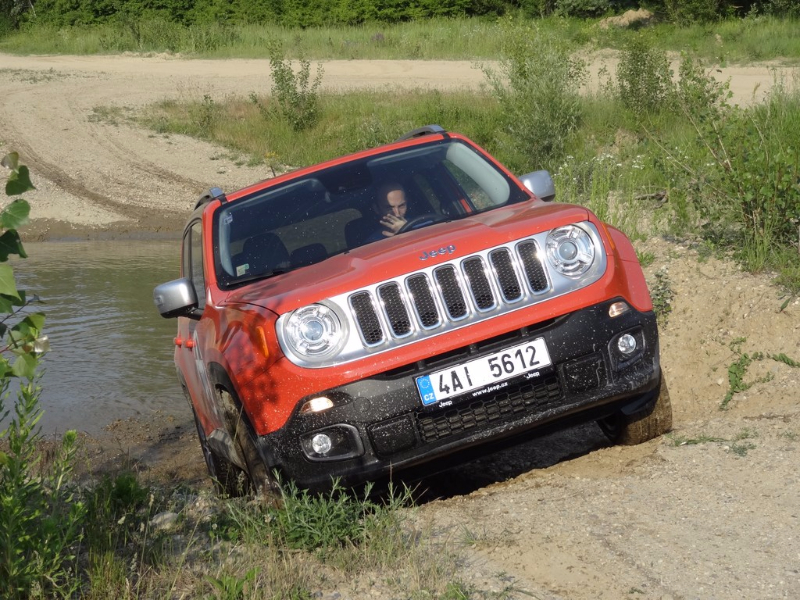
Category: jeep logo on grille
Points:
column 440, row 252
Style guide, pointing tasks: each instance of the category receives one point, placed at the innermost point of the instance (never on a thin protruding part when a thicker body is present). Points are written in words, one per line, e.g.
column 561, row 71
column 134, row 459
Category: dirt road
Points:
column 93, row 174
column 711, row 512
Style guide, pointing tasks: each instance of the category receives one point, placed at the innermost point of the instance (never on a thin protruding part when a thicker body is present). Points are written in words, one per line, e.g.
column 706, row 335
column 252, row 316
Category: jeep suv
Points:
column 310, row 346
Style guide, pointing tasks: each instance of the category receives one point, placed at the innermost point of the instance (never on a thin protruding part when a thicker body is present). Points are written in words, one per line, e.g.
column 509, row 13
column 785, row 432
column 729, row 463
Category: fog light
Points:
column 626, row 344
column 321, row 443
column 338, row 442
column 617, row 309
column 316, row 405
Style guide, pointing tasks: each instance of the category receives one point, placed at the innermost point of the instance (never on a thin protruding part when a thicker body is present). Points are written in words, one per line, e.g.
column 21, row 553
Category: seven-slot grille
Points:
column 479, row 284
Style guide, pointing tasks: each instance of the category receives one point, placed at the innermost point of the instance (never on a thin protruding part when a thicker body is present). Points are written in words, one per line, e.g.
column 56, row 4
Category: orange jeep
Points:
column 402, row 305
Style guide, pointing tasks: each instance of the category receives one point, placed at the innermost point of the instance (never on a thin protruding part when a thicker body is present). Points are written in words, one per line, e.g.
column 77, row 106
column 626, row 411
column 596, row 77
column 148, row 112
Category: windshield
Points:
column 367, row 200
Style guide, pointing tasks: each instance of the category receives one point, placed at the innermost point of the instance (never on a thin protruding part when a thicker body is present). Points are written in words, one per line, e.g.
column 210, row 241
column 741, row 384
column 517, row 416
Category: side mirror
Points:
column 541, row 184
column 176, row 299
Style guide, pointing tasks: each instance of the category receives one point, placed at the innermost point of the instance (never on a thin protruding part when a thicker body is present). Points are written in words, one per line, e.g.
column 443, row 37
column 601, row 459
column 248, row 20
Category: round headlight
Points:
column 314, row 331
column 570, row 250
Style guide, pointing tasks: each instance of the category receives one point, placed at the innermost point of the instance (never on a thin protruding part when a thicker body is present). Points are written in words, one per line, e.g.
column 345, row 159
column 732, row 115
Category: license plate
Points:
column 483, row 372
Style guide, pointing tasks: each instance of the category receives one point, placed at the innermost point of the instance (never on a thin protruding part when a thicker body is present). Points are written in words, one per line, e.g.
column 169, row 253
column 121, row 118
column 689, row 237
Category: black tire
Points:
column 259, row 479
column 228, row 479
column 643, row 425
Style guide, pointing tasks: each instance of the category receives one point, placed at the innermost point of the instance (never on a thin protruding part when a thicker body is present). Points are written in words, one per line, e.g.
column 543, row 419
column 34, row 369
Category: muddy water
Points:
column 111, row 353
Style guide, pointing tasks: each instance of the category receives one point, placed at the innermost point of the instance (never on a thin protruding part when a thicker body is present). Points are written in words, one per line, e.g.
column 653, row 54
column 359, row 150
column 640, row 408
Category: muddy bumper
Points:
column 387, row 423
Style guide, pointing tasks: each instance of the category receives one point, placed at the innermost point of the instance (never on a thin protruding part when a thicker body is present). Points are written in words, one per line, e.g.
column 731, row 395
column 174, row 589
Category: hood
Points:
column 404, row 254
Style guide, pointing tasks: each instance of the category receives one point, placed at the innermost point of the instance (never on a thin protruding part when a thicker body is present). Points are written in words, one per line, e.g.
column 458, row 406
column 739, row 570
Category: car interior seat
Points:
column 308, row 255
column 358, row 230
column 263, row 253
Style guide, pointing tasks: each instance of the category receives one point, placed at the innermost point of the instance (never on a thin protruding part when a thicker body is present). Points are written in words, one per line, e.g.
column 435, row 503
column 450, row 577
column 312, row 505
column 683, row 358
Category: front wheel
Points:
column 643, row 425
column 259, row 478
column 229, row 480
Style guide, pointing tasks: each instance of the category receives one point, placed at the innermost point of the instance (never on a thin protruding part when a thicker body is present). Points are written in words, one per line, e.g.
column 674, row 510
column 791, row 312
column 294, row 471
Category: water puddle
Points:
column 111, row 353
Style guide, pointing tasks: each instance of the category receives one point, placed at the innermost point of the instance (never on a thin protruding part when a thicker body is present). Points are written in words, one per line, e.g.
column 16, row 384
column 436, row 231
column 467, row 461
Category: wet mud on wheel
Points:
column 643, row 425
column 260, row 480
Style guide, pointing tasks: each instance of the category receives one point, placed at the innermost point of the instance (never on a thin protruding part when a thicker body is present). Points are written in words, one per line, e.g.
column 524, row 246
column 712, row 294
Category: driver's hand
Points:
column 392, row 224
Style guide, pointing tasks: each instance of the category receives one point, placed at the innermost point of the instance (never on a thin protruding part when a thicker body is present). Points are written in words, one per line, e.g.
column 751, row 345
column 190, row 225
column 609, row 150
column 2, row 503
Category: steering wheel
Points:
column 428, row 219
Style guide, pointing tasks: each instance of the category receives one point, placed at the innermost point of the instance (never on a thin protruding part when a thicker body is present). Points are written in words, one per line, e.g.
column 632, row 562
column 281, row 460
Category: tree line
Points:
column 312, row 13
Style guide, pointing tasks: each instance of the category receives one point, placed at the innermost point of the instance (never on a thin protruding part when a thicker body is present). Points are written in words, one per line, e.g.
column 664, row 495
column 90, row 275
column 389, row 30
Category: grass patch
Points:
column 662, row 294
column 33, row 77
column 448, row 39
column 135, row 541
column 347, row 123
column 729, row 41
column 737, row 370
column 679, row 440
column 782, row 358
column 645, row 258
column 740, row 444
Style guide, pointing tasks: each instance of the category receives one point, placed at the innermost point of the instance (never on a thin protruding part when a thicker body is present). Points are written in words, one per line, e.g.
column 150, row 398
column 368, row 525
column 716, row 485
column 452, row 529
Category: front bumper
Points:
column 379, row 425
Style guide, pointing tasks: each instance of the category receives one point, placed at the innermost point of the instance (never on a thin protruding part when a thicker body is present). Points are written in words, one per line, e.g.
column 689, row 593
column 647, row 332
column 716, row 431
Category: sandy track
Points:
column 564, row 517
column 93, row 175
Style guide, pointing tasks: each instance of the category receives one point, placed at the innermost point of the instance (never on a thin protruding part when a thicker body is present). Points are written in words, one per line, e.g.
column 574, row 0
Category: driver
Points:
column 390, row 208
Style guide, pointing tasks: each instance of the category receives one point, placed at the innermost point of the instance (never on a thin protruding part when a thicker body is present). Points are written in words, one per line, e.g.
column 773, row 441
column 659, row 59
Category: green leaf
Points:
column 34, row 321
column 6, row 304
column 10, row 243
column 28, row 328
column 19, row 182
column 5, row 369
column 25, row 366
column 8, row 286
column 15, row 214
column 11, row 161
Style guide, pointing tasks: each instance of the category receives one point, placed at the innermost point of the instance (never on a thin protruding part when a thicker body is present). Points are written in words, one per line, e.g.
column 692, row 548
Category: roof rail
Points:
column 420, row 131
column 213, row 194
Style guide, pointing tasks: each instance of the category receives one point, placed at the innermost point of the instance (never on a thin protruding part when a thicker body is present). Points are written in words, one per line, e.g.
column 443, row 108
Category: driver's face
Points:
column 394, row 204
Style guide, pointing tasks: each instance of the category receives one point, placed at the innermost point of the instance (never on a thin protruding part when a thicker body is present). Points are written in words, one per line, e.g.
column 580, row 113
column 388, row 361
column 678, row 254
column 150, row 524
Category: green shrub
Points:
column 115, row 508
column 691, row 11
column 537, row 8
column 644, row 79
column 582, row 9
column 337, row 518
column 296, row 95
column 781, row 8
column 745, row 175
column 40, row 517
column 537, row 86
column 324, row 523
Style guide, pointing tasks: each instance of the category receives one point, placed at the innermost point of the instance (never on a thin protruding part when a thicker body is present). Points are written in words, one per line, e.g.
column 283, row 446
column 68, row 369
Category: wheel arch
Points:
column 236, row 411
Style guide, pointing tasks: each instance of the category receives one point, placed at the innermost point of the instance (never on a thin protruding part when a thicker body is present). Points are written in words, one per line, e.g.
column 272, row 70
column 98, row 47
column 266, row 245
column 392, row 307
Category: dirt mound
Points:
column 630, row 18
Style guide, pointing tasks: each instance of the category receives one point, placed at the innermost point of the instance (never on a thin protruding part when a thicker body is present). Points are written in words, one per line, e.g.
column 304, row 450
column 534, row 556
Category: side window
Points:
column 193, row 261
